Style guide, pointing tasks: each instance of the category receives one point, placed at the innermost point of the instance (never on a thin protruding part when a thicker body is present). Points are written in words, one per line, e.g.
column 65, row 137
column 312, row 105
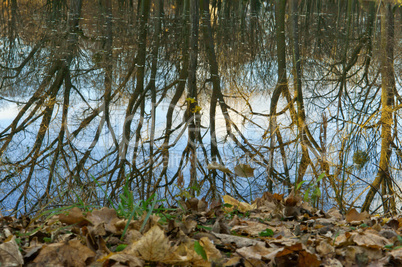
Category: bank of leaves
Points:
column 271, row 231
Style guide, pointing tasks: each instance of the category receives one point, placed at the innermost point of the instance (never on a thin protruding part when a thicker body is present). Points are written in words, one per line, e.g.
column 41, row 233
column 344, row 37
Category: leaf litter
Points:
column 271, row 231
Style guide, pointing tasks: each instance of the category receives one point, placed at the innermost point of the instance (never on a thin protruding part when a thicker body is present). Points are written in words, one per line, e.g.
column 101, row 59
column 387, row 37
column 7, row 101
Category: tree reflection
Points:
column 149, row 93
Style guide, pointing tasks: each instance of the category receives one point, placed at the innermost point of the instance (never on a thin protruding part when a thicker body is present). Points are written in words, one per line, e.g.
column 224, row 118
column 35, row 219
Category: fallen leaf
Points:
column 293, row 200
column 371, row 240
column 73, row 216
column 105, row 216
column 397, row 254
column 153, row 246
column 343, row 240
column 72, row 253
column 244, row 170
column 10, row 254
column 216, row 166
column 237, row 240
column 242, row 206
column 302, row 257
column 121, row 259
column 192, row 204
column 250, row 228
column 212, row 253
column 324, row 249
column 354, row 215
column 334, row 213
column 256, row 251
column 186, row 255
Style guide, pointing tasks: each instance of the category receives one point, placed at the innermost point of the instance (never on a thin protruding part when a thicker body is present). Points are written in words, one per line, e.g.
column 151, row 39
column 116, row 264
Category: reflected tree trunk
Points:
column 181, row 85
column 152, row 88
column 192, row 93
column 136, row 100
column 216, row 83
column 282, row 83
column 61, row 71
column 140, row 79
column 388, row 90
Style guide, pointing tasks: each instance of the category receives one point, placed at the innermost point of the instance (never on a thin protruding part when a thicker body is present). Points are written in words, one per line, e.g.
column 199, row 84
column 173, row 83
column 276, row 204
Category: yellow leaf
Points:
column 191, row 100
column 196, row 109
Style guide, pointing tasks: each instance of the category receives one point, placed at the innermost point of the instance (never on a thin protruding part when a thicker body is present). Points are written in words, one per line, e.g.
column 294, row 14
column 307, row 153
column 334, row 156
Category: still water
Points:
column 103, row 94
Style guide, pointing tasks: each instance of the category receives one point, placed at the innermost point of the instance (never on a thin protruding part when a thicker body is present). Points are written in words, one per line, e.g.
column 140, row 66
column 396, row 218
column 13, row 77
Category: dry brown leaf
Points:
column 334, row 213
column 188, row 225
column 121, row 259
column 237, row 240
column 343, row 240
column 325, row 249
column 216, row 166
column 370, row 240
column 305, row 258
column 256, row 251
column 10, row 254
column 213, row 254
column 202, row 205
column 331, row 262
column 354, row 215
column 244, row 170
column 72, row 253
column 240, row 261
column 361, row 256
column 131, row 236
column 73, row 216
column 105, row 216
column 153, row 246
column 397, row 254
column 234, row 261
column 293, row 200
column 242, row 206
column 308, row 259
column 185, row 254
column 250, row 228
column 393, row 223
column 192, row 204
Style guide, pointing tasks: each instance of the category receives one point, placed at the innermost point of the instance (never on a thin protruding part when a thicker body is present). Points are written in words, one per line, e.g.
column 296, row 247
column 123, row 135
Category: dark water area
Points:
column 173, row 97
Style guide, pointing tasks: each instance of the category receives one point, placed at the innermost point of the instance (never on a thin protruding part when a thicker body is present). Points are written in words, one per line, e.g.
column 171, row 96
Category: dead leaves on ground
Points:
column 271, row 231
